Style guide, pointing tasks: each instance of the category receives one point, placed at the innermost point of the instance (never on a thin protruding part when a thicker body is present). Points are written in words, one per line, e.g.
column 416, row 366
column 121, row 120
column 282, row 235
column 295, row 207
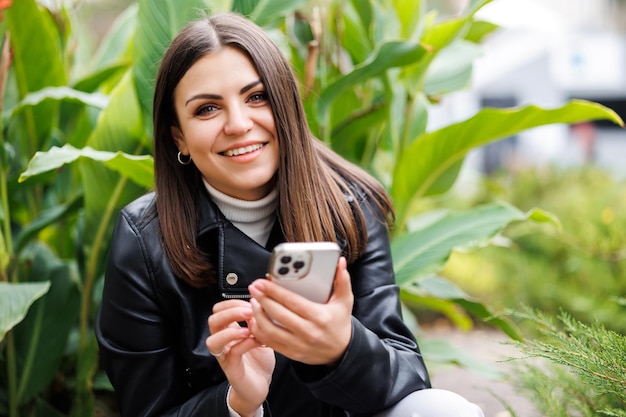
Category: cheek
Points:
column 200, row 137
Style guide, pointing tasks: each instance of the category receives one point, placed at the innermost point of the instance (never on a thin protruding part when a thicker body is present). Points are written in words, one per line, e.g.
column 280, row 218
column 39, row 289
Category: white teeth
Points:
column 245, row 149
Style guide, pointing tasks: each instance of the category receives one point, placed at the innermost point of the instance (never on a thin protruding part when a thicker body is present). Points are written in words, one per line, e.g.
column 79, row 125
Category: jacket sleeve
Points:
column 383, row 362
column 136, row 340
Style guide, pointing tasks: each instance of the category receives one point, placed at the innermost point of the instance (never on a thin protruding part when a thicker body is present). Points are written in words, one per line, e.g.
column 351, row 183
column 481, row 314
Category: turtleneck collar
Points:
column 254, row 218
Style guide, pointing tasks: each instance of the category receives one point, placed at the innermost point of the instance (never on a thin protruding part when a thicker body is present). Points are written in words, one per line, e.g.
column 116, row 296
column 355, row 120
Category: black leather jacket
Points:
column 152, row 327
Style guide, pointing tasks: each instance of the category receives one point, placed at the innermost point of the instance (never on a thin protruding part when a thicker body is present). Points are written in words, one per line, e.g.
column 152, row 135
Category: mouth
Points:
column 243, row 150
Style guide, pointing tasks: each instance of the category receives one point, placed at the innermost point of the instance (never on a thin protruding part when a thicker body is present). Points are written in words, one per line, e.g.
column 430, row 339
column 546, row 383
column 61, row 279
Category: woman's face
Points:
column 227, row 124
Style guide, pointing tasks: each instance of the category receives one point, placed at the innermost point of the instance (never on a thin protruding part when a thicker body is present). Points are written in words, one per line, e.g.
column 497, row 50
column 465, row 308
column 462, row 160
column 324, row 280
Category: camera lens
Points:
column 283, row 270
column 285, row 259
column 298, row 264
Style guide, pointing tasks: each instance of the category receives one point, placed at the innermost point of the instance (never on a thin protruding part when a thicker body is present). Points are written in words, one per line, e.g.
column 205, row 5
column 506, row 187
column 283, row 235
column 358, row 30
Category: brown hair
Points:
column 312, row 180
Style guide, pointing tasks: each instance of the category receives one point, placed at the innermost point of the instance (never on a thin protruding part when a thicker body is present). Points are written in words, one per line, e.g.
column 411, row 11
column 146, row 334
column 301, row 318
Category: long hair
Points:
column 317, row 188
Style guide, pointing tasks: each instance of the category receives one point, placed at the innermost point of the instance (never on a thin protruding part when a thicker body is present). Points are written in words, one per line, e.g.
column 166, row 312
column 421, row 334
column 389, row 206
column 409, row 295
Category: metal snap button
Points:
column 232, row 278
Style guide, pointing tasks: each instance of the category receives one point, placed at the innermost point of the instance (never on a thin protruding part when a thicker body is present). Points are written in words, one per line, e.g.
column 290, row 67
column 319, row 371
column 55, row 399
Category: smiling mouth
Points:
column 243, row 150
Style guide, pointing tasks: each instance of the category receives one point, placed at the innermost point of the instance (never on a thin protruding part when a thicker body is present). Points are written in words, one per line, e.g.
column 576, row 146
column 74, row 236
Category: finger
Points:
column 219, row 342
column 265, row 328
column 244, row 346
column 263, row 290
column 227, row 304
column 342, row 289
column 224, row 318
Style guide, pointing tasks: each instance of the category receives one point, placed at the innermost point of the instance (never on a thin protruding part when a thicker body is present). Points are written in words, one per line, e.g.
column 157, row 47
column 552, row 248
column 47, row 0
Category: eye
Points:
column 258, row 97
column 206, row 110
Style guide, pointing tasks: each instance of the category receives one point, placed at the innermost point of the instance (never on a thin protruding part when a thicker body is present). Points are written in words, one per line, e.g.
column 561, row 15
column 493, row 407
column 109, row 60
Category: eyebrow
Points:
column 204, row 96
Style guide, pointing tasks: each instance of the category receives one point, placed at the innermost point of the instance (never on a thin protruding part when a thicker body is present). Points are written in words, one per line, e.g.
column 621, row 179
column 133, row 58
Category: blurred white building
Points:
column 548, row 51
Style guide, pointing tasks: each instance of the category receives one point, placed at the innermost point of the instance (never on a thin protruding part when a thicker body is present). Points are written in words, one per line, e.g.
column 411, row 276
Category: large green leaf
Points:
column 37, row 63
column 436, row 291
column 117, row 43
column 439, row 351
column 424, row 251
column 157, row 24
column 58, row 94
column 41, row 338
column 479, row 30
column 451, row 70
column 436, row 38
column 15, row 300
column 434, row 153
column 355, row 37
column 46, row 218
column 410, row 13
column 35, row 47
column 389, row 55
column 119, row 129
column 138, row 168
column 101, row 79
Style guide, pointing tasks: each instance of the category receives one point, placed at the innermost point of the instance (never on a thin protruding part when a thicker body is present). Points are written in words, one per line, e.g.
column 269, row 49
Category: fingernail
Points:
column 256, row 288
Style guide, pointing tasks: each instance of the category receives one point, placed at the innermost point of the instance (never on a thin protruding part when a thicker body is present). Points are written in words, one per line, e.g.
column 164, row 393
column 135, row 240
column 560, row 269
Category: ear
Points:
column 179, row 139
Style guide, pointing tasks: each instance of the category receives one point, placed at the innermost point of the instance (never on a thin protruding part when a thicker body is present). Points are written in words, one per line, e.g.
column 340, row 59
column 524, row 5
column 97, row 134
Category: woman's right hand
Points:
column 247, row 364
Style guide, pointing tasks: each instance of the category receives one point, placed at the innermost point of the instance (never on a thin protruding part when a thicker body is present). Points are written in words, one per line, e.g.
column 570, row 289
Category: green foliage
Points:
column 85, row 125
column 15, row 300
column 423, row 251
column 581, row 371
column 577, row 266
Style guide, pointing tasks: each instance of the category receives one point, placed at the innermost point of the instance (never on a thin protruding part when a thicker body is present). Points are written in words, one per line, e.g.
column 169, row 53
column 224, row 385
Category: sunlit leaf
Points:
column 118, row 40
column 15, row 300
column 451, row 70
column 480, row 30
column 41, row 338
column 37, row 62
column 139, row 168
column 156, row 27
column 443, row 289
column 431, row 155
column 389, row 55
column 425, row 251
column 65, row 94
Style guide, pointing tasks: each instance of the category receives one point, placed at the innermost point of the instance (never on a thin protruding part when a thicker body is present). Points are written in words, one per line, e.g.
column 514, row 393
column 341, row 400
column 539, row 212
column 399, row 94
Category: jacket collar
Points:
column 243, row 260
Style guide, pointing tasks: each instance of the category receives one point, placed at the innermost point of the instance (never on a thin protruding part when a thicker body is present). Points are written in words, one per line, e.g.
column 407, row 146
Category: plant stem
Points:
column 92, row 264
column 6, row 224
column 4, row 276
column 406, row 131
column 12, row 375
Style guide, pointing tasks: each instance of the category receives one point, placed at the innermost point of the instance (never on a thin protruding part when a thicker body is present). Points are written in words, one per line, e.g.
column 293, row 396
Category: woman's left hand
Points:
column 309, row 332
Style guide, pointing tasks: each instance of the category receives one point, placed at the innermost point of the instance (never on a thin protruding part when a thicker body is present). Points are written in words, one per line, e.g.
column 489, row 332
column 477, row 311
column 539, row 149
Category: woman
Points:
column 237, row 172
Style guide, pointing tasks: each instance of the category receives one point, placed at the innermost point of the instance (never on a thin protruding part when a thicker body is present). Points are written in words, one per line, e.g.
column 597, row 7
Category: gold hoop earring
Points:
column 180, row 159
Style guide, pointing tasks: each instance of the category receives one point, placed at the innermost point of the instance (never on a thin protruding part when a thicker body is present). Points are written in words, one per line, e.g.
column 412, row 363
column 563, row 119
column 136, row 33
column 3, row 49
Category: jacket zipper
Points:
column 236, row 296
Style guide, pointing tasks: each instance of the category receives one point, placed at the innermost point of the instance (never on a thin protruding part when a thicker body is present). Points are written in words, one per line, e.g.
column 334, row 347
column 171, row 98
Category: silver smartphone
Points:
column 306, row 268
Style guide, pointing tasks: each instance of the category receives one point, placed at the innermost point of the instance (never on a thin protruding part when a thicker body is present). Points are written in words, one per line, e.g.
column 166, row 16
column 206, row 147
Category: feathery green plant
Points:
column 580, row 368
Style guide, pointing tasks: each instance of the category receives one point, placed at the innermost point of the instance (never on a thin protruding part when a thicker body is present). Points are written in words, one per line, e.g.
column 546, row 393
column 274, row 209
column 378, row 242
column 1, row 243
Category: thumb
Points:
column 342, row 289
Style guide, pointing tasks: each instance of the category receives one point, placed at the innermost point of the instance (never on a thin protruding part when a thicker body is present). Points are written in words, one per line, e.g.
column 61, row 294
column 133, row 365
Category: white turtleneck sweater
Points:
column 254, row 218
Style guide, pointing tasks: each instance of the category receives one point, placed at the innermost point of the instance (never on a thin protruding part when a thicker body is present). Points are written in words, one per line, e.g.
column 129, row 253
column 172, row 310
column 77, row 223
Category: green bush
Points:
column 579, row 267
column 572, row 369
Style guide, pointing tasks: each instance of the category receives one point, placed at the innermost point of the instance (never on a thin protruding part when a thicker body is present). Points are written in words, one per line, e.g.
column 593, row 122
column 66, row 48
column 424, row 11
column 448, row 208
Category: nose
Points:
column 238, row 121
